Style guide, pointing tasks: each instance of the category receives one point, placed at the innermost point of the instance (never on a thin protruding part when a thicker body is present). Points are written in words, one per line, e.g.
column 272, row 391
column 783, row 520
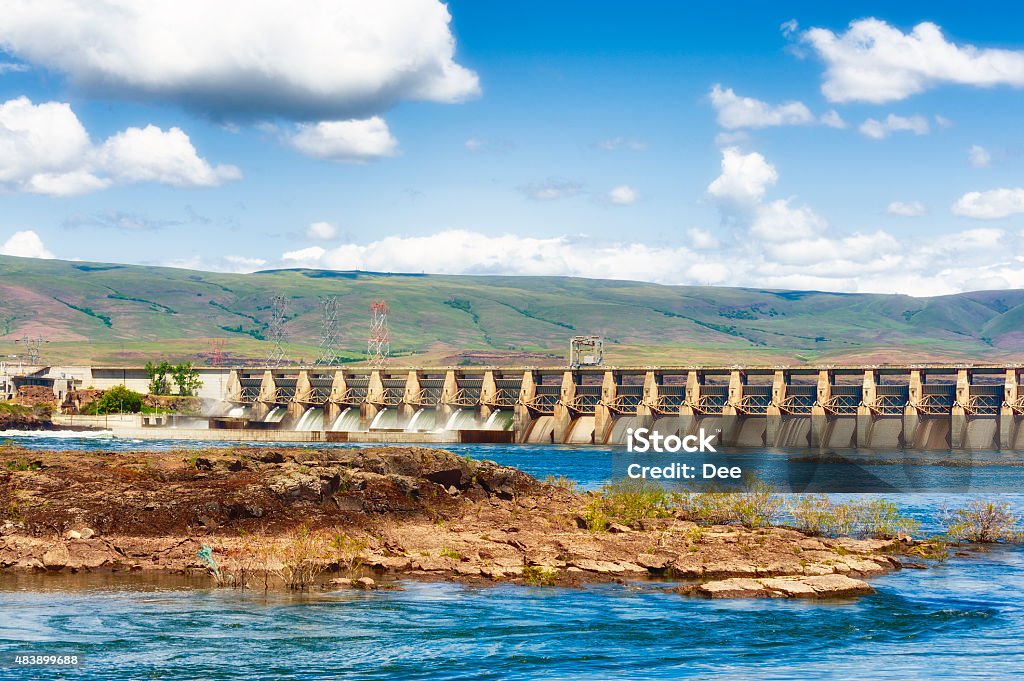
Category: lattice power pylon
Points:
column 378, row 347
column 330, row 338
column 30, row 350
column 216, row 351
column 276, row 333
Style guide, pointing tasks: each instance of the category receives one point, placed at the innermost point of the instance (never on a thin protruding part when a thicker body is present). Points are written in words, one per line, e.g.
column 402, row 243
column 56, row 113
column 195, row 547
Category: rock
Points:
column 73, row 534
column 617, row 528
column 599, row 566
column 87, row 533
column 651, row 562
column 341, row 581
column 790, row 588
column 822, row 586
column 837, row 585
column 736, row 587
column 56, row 558
column 296, row 486
column 812, row 569
column 366, row 583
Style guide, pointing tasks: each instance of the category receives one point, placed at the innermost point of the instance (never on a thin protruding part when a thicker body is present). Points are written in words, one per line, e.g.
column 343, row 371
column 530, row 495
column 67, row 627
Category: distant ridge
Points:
column 127, row 313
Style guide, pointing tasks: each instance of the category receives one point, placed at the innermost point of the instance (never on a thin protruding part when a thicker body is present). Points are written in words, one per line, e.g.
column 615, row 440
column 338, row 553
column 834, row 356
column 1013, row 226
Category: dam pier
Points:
column 818, row 407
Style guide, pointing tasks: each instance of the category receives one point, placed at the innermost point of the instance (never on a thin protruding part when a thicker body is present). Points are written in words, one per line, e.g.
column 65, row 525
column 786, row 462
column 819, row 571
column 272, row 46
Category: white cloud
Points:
column 235, row 264
column 321, row 231
column 355, row 141
column 875, row 62
column 779, row 221
column 153, row 155
column 906, row 209
column 746, row 112
column 552, row 190
column 9, row 67
column 876, row 129
column 45, row 149
column 979, row 156
column 246, row 59
column 702, row 240
column 25, row 244
column 990, row 205
column 731, row 138
column 628, row 143
column 832, row 119
column 744, row 177
column 623, row 195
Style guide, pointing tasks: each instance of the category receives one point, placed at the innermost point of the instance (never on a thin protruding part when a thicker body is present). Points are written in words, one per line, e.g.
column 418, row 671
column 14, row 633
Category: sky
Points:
column 771, row 145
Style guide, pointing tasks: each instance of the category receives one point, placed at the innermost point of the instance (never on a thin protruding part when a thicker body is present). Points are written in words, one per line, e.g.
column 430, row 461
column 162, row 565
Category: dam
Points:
column 819, row 407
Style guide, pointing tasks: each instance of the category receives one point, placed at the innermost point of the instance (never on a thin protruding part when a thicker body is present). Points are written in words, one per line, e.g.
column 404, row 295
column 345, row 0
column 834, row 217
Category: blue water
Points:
column 962, row 619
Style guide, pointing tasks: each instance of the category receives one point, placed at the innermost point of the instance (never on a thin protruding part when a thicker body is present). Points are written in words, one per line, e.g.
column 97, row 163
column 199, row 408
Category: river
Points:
column 960, row 619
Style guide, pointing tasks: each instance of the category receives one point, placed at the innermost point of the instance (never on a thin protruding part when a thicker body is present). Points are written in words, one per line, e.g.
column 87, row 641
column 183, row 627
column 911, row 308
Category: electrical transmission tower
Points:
column 276, row 333
column 216, row 351
column 30, row 350
column 331, row 336
column 378, row 347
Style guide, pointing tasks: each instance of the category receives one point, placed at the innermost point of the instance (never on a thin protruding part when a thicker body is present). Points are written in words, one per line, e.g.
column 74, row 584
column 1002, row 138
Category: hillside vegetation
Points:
column 116, row 314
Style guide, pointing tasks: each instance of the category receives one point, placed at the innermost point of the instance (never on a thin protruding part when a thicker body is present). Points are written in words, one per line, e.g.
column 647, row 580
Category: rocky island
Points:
column 366, row 517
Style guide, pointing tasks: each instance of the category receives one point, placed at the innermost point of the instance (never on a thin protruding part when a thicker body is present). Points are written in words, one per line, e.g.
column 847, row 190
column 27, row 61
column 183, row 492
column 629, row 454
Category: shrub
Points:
column 982, row 521
column 303, row 556
column 537, row 575
column 816, row 514
column 117, row 400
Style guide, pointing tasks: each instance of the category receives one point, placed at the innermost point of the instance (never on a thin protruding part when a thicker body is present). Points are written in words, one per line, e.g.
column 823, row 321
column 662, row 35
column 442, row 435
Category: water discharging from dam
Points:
column 347, row 421
column 312, row 419
column 422, row 420
column 275, row 415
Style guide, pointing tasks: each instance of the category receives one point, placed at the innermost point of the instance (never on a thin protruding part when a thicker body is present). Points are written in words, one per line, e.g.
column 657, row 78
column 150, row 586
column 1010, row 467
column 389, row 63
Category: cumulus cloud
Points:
column 875, row 62
column 990, row 205
column 45, row 149
column 235, row 264
column 832, row 119
column 552, row 190
column 623, row 195
column 906, row 209
column 355, row 141
column 321, row 231
column 746, row 112
column 876, row 129
column 979, row 157
column 701, row 239
column 25, row 244
column 246, row 59
column 744, row 177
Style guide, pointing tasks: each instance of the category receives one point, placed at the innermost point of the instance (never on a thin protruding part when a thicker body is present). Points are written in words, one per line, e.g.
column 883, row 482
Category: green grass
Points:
column 126, row 314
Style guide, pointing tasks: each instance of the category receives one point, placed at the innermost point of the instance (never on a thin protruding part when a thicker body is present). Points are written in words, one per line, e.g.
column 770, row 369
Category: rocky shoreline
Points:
column 371, row 516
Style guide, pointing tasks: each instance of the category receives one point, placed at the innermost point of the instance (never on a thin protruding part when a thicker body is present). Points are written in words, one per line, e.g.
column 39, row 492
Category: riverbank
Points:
column 386, row 513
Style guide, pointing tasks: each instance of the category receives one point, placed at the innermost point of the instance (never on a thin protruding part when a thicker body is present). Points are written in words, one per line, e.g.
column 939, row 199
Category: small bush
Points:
column 982, row 522
column 537, row 575
column 448, row 552
column 117, row 400
column 816, row 514
column 303, row 557
column 562, row 482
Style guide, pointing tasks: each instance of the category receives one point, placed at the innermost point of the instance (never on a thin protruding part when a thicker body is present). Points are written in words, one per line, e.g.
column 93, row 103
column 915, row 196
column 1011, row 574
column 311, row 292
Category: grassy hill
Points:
column 108, row 313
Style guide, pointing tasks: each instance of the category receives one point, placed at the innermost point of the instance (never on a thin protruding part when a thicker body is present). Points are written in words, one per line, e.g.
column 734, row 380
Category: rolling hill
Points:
column 119, row 314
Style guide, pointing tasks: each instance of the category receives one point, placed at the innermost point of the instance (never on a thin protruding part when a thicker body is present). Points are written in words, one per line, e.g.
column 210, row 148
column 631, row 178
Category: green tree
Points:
column 187, row 379
column 118, row 399
column 158, row 381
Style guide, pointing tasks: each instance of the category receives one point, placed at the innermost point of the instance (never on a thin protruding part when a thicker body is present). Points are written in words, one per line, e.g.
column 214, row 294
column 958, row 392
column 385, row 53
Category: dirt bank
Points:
column 15, row 416
column 384, row 513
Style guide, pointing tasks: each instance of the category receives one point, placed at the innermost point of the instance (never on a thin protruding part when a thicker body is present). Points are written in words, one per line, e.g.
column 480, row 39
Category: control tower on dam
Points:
column 829, row 406
column 923, row 407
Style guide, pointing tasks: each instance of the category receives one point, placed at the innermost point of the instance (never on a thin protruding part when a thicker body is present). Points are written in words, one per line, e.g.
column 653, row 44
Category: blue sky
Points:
column 790, row 145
